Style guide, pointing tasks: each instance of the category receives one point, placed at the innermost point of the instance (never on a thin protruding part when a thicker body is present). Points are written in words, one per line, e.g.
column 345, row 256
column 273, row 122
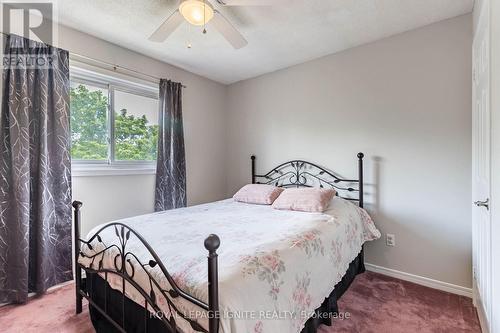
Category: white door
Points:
column 481, row 217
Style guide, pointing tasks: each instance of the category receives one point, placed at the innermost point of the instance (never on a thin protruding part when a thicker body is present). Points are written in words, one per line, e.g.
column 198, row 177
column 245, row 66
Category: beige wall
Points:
column 107, row 198
column 404, row 101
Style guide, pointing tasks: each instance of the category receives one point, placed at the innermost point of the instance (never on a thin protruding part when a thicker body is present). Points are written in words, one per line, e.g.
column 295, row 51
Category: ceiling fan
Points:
column 200, row 12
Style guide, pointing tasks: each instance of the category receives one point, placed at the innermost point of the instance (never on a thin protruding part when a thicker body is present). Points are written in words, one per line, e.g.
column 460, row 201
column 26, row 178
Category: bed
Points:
column 266, row 268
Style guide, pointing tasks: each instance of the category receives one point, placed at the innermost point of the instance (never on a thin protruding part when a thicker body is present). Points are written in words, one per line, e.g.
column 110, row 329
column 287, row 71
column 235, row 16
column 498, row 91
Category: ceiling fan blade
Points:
column 252, row 2
column 167, row 27
column 222, row 25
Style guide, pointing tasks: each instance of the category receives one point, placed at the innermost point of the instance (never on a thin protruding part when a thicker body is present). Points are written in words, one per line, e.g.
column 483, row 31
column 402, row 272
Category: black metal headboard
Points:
column 299, row 173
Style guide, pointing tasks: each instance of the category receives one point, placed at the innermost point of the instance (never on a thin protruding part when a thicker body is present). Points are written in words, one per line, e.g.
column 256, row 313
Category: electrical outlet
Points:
column 390, row 240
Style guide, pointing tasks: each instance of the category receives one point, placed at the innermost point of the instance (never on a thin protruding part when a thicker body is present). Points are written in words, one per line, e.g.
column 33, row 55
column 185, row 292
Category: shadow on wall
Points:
column 372, row 190
column 382, row 220
column 376, row 164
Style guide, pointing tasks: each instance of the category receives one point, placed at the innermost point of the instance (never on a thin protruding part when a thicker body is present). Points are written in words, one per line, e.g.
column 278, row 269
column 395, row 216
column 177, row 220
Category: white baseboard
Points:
column 57, row 286
column 431, row 283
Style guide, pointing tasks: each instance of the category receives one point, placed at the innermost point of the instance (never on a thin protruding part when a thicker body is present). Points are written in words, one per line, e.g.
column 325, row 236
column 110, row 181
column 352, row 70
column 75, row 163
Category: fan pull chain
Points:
column 204, row 18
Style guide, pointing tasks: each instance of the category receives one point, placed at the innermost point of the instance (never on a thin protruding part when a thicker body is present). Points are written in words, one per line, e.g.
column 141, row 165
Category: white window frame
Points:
column 100, row 79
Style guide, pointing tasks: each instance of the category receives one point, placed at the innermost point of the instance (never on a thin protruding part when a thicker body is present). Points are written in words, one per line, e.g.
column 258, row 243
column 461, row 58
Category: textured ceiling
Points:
column 278, row 37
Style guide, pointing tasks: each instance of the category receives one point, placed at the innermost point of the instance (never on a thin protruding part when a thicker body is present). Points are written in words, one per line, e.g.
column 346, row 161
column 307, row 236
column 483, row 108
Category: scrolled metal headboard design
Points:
column 300, row 173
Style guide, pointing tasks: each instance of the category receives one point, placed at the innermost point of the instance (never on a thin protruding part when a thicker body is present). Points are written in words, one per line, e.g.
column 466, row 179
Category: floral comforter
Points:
column 275, row 267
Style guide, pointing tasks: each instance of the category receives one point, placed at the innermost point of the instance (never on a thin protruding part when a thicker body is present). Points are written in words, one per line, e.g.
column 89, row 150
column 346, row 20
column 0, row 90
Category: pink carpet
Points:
column 375, row 303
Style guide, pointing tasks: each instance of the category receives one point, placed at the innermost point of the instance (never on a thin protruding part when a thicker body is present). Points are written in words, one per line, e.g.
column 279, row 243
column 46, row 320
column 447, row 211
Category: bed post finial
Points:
column 360, row 175
column 77, row 204
column 78, row 273
column 253, row 168
column 212, row 243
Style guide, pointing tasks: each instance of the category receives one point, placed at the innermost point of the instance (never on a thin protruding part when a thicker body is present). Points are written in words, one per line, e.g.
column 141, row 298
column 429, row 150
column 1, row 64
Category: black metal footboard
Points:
column 126, row 265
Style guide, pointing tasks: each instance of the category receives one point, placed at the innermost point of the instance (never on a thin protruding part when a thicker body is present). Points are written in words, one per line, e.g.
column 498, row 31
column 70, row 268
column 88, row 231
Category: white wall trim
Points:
column 51, row 289
column 91, row 170
column 424, row 281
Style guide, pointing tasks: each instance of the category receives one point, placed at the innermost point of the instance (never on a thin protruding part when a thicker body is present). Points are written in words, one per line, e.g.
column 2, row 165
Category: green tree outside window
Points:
column 135, row 138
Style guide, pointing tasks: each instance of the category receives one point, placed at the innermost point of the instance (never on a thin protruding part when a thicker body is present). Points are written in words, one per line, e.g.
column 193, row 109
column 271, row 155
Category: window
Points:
column 114, row 123
column 136, row 130
column 89, row 119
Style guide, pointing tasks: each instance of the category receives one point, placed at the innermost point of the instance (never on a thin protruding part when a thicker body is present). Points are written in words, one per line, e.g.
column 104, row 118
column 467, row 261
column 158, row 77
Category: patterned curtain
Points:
column 35, row 171
column 170, row 191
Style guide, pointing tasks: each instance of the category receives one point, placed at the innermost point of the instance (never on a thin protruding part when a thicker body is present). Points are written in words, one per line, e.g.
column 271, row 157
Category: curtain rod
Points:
column 117, row 67
column 114, row 66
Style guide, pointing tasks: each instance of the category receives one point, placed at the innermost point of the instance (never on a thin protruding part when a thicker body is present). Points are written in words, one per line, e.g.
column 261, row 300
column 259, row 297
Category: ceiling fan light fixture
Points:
column 196, row 12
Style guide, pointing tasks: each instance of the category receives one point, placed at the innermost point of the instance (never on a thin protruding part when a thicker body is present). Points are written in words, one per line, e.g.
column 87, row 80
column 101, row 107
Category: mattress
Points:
column 268, row 259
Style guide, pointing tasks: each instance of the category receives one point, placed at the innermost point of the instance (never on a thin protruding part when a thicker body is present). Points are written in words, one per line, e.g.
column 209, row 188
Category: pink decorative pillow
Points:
column 304, row 199
column 258, row 194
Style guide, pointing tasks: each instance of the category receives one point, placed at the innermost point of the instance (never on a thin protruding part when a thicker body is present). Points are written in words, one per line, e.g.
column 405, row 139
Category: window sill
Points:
column 89, row 170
